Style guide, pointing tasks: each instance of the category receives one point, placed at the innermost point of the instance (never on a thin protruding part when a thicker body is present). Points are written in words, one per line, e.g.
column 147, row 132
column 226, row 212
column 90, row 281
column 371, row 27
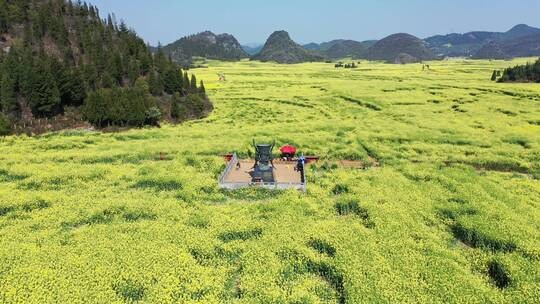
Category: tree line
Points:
column 529, row 72
column 62, row 54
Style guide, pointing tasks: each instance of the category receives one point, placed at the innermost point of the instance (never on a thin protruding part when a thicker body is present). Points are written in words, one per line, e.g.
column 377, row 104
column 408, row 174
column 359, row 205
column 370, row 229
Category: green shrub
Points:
column 5, row 125
column 130, row 290
column 477, row 239
column 241, row 235
column 499, row 274
column 322, row 247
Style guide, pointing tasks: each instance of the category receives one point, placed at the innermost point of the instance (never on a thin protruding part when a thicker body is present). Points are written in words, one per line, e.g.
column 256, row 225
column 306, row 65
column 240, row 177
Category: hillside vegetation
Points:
column 205, row 44
column 447, row 210
column 393, row 47
column 281, row 48
column 57, row 55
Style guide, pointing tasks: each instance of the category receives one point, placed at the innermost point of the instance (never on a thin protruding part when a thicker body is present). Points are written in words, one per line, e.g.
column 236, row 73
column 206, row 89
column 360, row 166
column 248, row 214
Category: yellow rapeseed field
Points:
column 448, row 210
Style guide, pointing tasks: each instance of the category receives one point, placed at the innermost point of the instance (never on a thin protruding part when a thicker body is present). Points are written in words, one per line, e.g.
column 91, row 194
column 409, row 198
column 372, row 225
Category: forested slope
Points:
column 56, row 54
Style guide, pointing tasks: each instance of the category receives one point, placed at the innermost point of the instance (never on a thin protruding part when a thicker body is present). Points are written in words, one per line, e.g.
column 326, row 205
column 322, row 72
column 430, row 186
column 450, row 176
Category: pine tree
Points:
column 186, row 83
column 170, row 81
column 494, row 76
column 160, row 60
column 180, row 80
column 155, row 83
column 193, row 85
column 178, row 108
column 202, row 89
column 142, row 85
column 72, row 88
column 5, row 125
column 10, row 82
column 4, row 15
column 8, row 95
column 45, row 98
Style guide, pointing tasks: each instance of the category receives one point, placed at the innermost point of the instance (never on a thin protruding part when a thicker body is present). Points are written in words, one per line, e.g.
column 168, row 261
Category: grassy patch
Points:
column 477, row 239
column 499, row 274
column 346, row 207
column 322, row 247
column 7, row 176
column 520, row 141
column 37, row 204
column 240, row 235
column 108, row 215
column 130, row 291
column 340, row 189
column 158, row 184
column 362, row 103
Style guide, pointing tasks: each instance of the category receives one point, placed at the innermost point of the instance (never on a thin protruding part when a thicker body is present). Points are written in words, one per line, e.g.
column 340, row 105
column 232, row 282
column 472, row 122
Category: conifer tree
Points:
column 8, row 96
column 170, row 81
column 45, row 97
column 71, row 86
column 193, row 85
column 186, row 83
column 202, row 89
column 155, row 83
column 160, row 60
column 178, row 108
column 5, row 125
column 180, row 80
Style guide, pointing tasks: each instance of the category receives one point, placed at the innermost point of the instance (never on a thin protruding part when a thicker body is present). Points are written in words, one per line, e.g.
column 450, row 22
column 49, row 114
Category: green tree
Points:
column 95, row 107
column 494, row 76
column 5, row 125
column 72, row 88
column 155, row 83
column 45, row 97
column 153, row 116
column 178, row 107
column 186, row 83
column 8, row 94
column 202, row 89
column 142, row 85
column 4, row 15
column 170, row 81
column 195, row 105
column 193, row 84
column 160, row 60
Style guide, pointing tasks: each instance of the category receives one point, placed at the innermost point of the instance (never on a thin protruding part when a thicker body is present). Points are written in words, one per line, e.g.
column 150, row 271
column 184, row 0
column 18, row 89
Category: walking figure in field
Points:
column 222, row 77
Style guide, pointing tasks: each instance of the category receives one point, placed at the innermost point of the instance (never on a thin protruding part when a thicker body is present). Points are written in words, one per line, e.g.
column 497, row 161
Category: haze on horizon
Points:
column 166, row 21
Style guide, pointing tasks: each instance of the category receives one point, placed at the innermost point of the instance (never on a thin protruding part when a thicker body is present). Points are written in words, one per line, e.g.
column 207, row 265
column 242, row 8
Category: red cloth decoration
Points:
column 288, row 149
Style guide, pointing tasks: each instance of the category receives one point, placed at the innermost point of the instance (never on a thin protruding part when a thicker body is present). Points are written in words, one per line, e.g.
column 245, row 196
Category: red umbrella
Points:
column 288, row 149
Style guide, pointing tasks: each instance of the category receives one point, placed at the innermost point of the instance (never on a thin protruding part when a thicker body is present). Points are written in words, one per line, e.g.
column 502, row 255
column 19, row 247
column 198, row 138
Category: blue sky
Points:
column 315, row 20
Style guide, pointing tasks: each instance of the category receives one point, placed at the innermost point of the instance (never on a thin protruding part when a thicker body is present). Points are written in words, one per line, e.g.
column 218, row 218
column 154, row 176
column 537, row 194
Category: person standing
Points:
column 300, row 166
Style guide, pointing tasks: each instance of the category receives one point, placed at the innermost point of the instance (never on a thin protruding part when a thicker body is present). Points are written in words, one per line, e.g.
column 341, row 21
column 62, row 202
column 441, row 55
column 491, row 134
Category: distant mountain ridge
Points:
column 205, row 44
column 519, row 40
column 491, row 50
column 348, row 48
column 281, row 48
column 399, row 47
column 323, row 46
column 340, row 48
column 252, row 49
